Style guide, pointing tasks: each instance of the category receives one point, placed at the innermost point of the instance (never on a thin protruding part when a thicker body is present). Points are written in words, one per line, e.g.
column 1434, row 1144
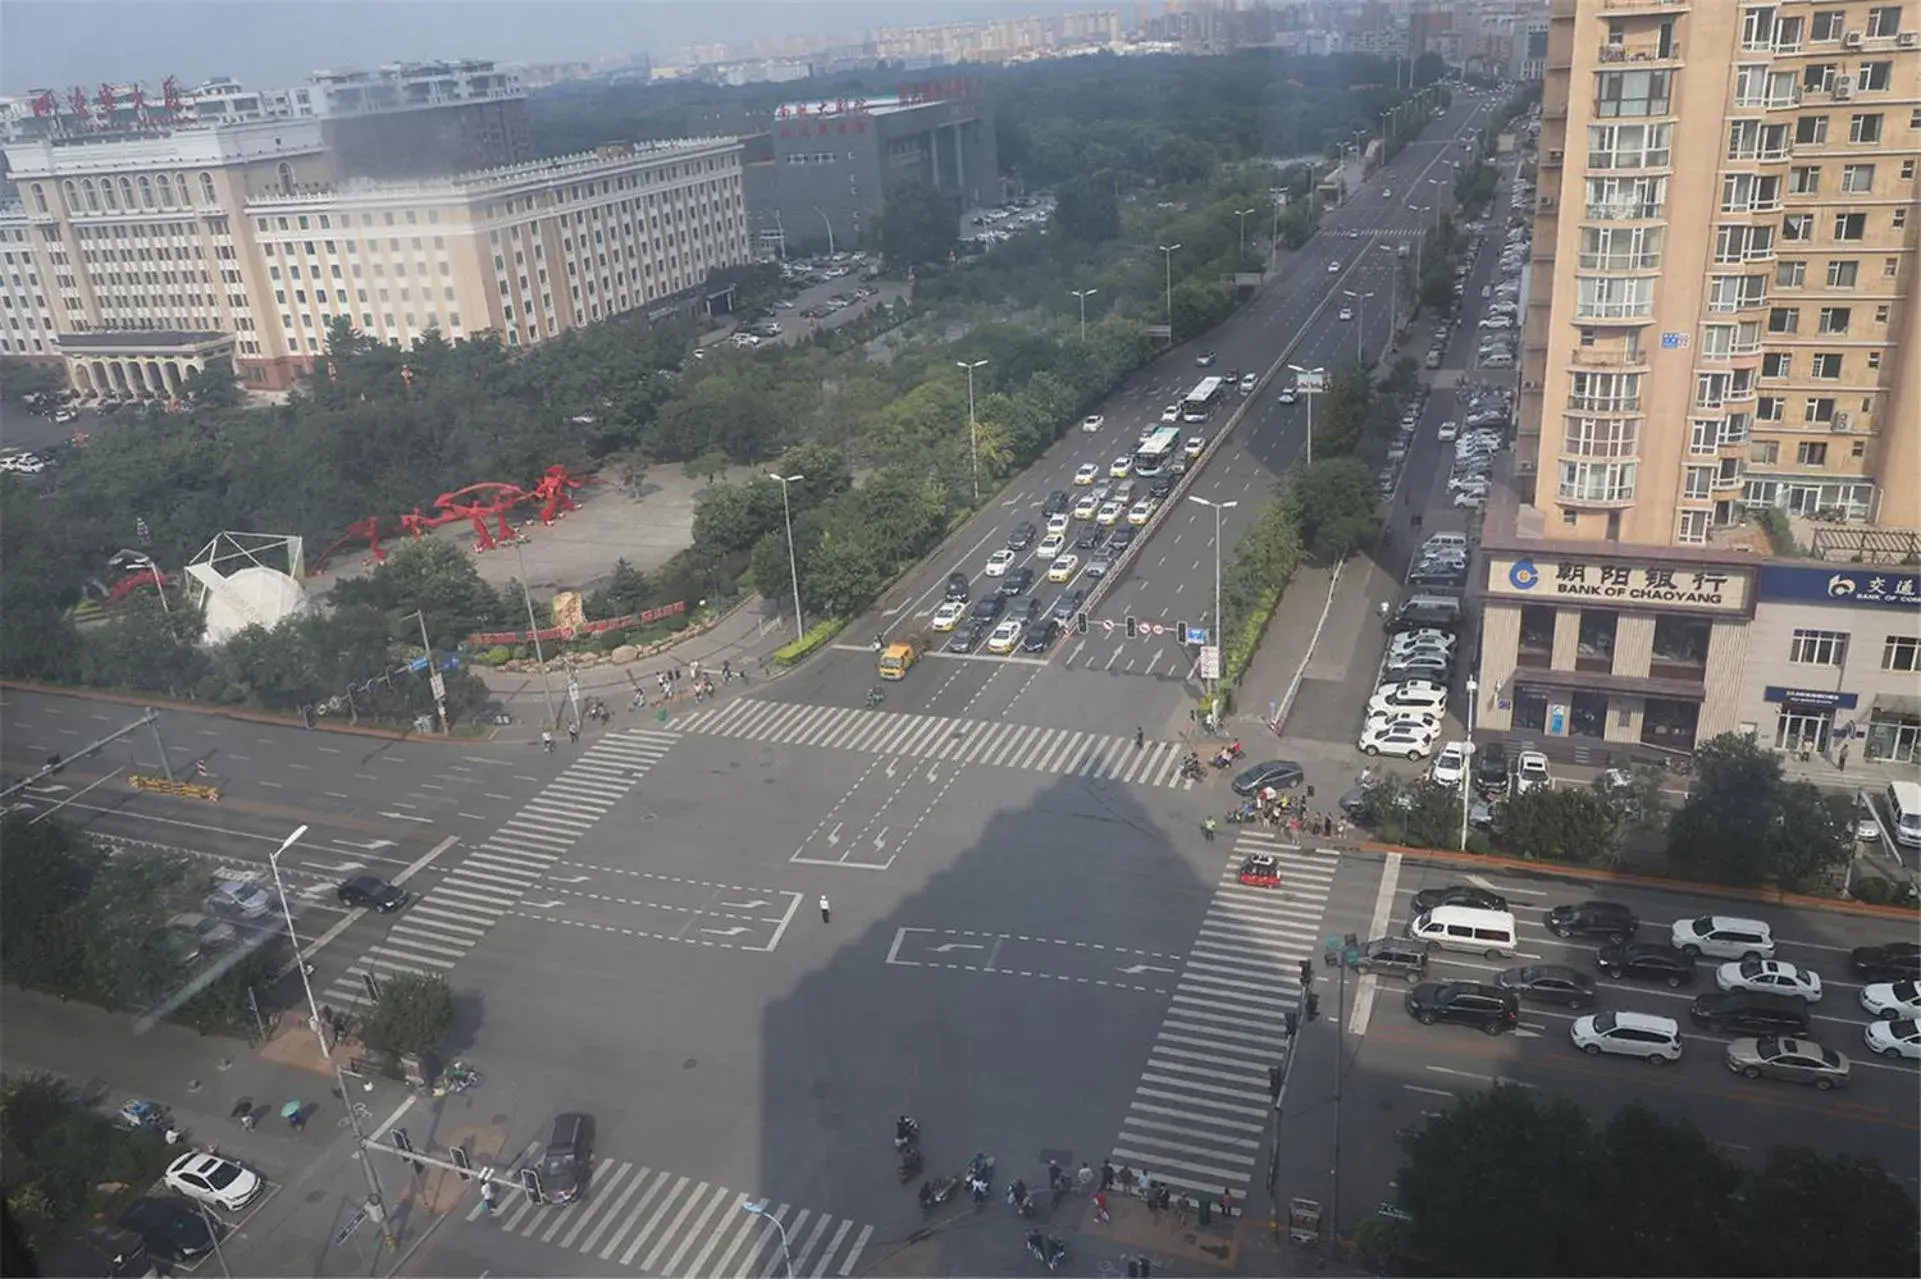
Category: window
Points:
column 1899, row 217
column 1834, row 319
column 1597, row 481
column 1818, row 77
column 1623, row 199
column 1783, row 319
column 1629, row 248
column 1790, row 275
column 1764, row 452
column 1818, row 648
column 1827, row 364
column 1693, row 530
column 1770, row 408
column 1901, row 653
column 1632, row 93
column 1826, row 26
column 1614, row 297
column 1702, row 434
column 1818, row 408
column 1811, row 131
column 1697, row 482
column 1842, row 273
column 1857, row 179
column 1732, row 292
column 1811, row 453
column 1605, row 392
column 1850, row 226
column 1884, row 21
column 1804, row 179
column 1874, row 77
column 1599, row 437
column 1750, row 193
column 1797, row 227
column 1777, row 364
column 1629, row 146
column 1874, row 360
column 1865, row 128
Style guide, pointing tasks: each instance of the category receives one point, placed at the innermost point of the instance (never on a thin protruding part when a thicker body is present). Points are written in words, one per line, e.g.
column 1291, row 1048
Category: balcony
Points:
column 1595, row 357
column 1624, row 211
column 1640, row 53
column 1646, row 6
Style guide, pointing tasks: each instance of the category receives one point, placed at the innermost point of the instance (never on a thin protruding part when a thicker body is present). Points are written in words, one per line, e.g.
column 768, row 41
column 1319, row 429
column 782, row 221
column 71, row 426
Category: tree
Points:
column 917, row 224
column 213, row 387
column 413, row 1015
column 1088, row 209
column 1811, row 1214
column 1558, row 824
column 1742, row 824
column 22, row 378
column 1815, row 837
column 1335, row 505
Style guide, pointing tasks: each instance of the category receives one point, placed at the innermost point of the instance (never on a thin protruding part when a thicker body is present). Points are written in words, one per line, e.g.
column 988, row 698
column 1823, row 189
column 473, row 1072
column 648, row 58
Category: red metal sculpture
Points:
column 552, row 490
column 481, row 503
column 478, row 501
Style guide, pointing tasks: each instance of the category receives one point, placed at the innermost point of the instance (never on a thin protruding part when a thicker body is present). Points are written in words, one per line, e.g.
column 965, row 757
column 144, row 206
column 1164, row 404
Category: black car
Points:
column 1611, row 920
column 1123, row 537
column 1017, row 581
column 1161, row 486
column 988, row 609
column 1040, row 638
column 1458, row 895
column 1646, row 961
column 564, row 1164
column 1024, row 608
column 1398, row 956
column 1089, row 537
column 1551, row 984
column 172, row 1228
column 1067, row 605
column 1490, row 769
column 1896, row 961
column 1750, row 1012
column 1467, row 1002
column 1284, row 774
column 1022, row 536
column 1057, row 503
column 369, row 893
column 968, row 636
column 957, row 586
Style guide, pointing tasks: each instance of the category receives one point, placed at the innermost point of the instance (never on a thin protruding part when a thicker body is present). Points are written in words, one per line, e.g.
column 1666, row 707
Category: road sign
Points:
column 1107, row 624
column 1311, row 383
column 418, row 665
column 439, row 686
column 1195, row 635
column 1210, row 661
column 1158, row 629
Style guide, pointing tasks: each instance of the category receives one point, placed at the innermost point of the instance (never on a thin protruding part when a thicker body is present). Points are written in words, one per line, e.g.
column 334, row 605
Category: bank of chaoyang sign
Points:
column 1707, row 588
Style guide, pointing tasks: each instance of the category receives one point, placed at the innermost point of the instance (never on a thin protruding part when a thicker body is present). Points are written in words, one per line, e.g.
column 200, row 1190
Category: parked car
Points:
column 1893, row 961
column 214, row 1179
column 173, row 1229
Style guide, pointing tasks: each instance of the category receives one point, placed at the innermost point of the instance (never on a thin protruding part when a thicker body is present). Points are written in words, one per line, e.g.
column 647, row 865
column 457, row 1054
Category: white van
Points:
column 1479, row 932
column 1904, row 812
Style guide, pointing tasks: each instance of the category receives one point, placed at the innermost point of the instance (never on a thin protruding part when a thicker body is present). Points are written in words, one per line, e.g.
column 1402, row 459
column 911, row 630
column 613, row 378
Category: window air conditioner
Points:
column 1841, row 423
column 1909, row 39
column 1554, row 155
column 1852, row 40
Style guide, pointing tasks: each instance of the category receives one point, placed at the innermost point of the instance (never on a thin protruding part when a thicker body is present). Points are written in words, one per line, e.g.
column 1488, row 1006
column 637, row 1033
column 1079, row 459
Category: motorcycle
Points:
column 458, row 1077
column 1227, row 755
column 874, row 698
column 944, row 1188
column 981, row 1167
column 1020, row 1199
column 910, row 1165
column 1056, row 1252
column 1037, row 1245
column 1191, row 767
column 906, row 1133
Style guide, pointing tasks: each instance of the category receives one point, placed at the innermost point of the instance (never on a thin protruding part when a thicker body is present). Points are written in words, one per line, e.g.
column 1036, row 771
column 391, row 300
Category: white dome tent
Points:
column 244, row 579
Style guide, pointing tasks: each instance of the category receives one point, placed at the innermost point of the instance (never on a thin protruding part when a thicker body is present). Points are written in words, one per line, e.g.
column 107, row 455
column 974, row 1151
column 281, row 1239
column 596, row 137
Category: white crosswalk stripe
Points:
column 968, row 741
column 429, row 936
column 661, row 1224
column 1199, row 1111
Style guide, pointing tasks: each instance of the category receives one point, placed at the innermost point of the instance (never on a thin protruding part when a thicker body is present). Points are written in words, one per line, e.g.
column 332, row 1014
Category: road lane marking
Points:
column 1377, row 927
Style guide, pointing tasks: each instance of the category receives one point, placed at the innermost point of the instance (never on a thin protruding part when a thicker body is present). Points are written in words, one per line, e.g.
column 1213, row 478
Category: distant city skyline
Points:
column 62, row 43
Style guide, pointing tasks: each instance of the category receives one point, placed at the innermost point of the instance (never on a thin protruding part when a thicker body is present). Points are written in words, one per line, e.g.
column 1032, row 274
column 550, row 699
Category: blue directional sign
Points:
column 1195, row 635
column 418, row 665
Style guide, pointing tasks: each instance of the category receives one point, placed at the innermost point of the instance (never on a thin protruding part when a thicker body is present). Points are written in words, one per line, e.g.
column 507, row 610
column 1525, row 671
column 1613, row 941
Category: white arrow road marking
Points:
column 755, row 904
column 890, row 769
column 542, row 905
column 931, row 776
column 880, row 840
column 725, row 932
column 408, row 817
column 1137, row 969
column 341, row 869
column 945, row 947
column 833, row 836
column 371, row 845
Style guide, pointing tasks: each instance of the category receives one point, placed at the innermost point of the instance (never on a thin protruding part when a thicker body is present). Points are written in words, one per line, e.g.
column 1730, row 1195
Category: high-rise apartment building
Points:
column 146, row 240
column 1722, row 316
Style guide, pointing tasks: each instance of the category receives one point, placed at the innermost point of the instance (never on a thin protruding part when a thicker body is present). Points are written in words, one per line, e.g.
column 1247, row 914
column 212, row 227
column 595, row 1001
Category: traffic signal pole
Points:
column 376, row 1205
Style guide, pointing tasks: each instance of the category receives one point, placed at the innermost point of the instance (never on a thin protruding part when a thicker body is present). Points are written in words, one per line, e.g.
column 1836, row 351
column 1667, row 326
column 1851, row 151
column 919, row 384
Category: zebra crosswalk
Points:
column 1105, row 756
column 659, row 1223
column 430, row 935
column 1197, row 1116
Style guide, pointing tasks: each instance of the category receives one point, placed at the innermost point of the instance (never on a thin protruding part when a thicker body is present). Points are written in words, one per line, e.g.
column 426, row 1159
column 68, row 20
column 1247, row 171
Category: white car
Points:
column 1085, row 508
column 1110, row 513
column 1060, row 522
column 1723, row 937
column 243, row 901
column 1050, row 546
column 1530, row 772
column 1472, row 500
column 1410, row 739
column 1894, row 1038
column 1120, row 467
column 1089, row 472
column 1141, row 511
column 214, row 1179
column 1426, row 637
column 1247, row 383
column 1450, row 766
column 1005, row 636
column 1064, row 568
column 1172, row 413
column 1410, row 695
column 1288, row 395
column 1655, row 1039
column 1774, row 975
column 1892, row 1000
column 1193, row 446
column 1334, row 268
column 1093, row 422
column 948, row 615
column 1447, row 430
column 1347, row 313
column 997, row 563
column 1381, row 721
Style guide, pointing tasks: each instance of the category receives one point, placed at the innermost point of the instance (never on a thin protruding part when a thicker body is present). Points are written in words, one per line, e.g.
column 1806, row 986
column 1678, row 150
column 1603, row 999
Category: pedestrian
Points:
column 547, row 741
column 727, row 671
column 1227, row 1205
column 1383, row 610
column 487, row 1197
column 1107, row 1174
column 298, row 1119
column 1100, row 1205
column 1140, row 738
column 573, row 732
column 1307, row 973
column 1133, row 1268
column 1084, row 1177
column 1147, row 1267
column 826, row 911
column 1841, row 760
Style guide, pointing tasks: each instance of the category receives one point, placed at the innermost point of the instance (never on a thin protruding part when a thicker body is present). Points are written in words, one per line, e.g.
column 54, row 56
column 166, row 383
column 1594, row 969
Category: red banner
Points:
column 488, row 639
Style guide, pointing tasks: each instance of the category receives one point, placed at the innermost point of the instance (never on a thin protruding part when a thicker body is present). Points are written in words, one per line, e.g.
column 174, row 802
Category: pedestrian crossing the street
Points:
column 1104, row 756
column 656, row 1222
column 430, row 935
column 1197, row 1116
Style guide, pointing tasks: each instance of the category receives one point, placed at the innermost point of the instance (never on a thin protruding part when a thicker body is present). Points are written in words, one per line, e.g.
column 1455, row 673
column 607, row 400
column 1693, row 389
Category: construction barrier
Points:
column 180, row 790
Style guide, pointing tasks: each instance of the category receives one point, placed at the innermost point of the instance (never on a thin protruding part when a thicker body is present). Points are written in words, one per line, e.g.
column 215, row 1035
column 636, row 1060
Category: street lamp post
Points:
column 533, row 629
column 973, row 427
column 829, row 224
column 1242, row 215
column 1473, row 688
column 1360, row 322
column 1218, row 507
column 1083, row 295
column 758, row 1208
column 1167, row 255
column 293, row 937
column 1317, row 375
column 1393, row 299
column 427, row 650
column 787, row 518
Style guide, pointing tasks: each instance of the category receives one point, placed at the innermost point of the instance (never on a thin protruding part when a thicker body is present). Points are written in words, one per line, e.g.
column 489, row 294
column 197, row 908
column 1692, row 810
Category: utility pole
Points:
column 1083, row 295
column 1167, row 255
column 293, row 939
column 1360, row 322
column 1214, row 685
column 434, row 679
column 793, row 570
column 533, row 630
column 1473, row 692
column 376, row 1204
column 973, row 427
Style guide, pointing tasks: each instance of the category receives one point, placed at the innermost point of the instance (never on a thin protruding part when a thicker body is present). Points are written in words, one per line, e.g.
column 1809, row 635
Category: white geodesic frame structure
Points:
column 240, row 579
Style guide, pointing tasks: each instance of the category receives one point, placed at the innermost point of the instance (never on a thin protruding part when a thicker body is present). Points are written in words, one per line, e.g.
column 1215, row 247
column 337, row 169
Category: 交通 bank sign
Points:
column 1703, row 588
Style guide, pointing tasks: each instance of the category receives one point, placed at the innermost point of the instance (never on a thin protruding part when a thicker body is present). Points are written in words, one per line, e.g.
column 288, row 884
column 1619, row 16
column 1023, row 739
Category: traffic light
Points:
column 530, row 1183
column 1133, row 628
column 1182, row 632
column 1080, row 622
column 403, row 1142
column 463, row 1161
column 1313, row 1005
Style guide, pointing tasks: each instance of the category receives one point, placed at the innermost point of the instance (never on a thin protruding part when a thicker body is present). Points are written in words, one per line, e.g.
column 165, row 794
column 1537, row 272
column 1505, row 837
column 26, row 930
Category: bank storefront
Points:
column 1835, row 657
column 1620, row 650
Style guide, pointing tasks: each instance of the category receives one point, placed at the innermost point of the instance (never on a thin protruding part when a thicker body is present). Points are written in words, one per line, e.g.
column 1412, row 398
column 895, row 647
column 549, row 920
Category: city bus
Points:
column 1201, row 400
column 1156, row 447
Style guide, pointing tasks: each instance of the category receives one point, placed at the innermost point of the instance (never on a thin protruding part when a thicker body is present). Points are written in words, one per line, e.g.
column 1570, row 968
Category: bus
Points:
column 1201, row 400
column 1156, row 447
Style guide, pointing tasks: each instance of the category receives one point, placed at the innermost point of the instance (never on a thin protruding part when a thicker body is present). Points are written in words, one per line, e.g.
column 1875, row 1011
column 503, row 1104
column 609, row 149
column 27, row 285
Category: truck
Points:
column 898, row 657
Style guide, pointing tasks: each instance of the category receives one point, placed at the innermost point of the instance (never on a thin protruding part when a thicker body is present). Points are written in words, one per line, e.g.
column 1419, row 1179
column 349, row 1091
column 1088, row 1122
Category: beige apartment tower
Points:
column 1722, row 317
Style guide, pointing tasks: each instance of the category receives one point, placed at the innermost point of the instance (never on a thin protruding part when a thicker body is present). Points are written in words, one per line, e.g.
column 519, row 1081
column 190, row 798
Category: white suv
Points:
column 1723, row 937
column 1655, row 1039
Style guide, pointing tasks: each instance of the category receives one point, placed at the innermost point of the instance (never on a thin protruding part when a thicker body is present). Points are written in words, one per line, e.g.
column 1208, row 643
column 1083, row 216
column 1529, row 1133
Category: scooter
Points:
column 1056, row 1252
column 1227, row 755
column 1191, row 767
column 906, row 1133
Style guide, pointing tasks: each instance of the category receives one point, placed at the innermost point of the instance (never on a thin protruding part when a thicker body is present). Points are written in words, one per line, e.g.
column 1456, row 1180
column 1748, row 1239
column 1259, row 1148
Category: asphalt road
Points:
column 1395, row 1070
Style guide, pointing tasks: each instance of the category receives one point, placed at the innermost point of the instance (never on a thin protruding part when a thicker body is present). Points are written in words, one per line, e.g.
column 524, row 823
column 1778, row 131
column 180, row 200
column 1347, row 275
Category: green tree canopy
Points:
column 917, row 224
column 1742, row 823
column 1336, row 506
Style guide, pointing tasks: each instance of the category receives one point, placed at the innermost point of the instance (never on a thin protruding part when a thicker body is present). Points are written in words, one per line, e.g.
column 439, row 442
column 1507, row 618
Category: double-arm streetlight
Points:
column 1242, row 215
column 758, row 1208
column 973, row 427
column 787, row 518
column 1309, row 381
column 1167, row 255
column 1083, row 295
column 293, row 937
column 1360, row 321
column 1217, row 635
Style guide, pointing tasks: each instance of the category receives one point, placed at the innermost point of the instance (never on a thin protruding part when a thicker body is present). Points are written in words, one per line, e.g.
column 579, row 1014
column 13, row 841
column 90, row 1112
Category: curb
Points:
column 233, row 713
column 1658, row 883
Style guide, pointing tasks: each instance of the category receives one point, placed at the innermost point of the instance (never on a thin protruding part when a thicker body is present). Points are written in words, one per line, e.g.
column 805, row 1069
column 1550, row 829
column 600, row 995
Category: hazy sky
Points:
column 61, row 43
